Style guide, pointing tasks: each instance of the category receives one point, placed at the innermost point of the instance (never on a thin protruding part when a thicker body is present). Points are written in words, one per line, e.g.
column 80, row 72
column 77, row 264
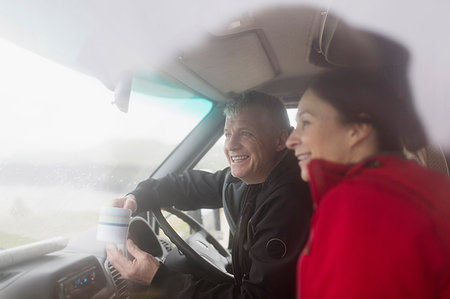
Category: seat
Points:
column 431, row 156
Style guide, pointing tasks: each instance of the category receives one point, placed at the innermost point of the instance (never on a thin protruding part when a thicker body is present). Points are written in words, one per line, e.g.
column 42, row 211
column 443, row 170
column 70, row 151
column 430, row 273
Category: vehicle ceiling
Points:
column 267, row 48
column 218, row 49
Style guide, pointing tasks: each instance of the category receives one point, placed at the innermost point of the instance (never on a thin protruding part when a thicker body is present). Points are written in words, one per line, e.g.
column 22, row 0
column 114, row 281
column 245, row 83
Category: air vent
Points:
column 165, row 244
column 120, row 283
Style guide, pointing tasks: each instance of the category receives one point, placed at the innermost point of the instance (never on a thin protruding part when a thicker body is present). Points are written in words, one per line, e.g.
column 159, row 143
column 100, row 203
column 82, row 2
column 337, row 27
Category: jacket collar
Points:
column 325, row 175
column 277, row 169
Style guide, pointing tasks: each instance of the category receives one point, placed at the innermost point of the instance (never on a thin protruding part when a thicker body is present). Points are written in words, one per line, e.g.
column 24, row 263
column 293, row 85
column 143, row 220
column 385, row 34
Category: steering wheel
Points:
column 203, row 249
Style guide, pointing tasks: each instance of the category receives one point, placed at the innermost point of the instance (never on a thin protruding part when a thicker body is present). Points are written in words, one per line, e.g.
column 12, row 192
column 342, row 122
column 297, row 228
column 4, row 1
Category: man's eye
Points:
column 245, row 133
column 227, row 135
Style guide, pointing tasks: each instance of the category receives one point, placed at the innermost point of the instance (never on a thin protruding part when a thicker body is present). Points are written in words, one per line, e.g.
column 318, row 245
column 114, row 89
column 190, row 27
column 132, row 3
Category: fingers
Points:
column 141, row 270
column 128, row 202
column 139, row 254
column 135, row 251
column 118, row 260
column 118, row 202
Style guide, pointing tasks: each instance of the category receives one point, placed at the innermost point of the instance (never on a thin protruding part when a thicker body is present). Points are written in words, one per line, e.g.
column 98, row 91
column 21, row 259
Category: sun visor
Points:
column 339, row 44
column 234, row 63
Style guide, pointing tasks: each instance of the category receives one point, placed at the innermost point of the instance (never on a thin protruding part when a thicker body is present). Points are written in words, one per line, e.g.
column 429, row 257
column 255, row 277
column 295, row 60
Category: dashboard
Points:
column 78, row 271
column 57, row 275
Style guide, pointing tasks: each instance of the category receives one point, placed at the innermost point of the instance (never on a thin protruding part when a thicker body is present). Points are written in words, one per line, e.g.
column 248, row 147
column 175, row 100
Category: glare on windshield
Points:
column 66, row 150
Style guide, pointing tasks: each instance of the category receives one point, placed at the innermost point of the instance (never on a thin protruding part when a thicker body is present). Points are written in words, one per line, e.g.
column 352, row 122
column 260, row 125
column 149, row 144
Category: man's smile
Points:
column 239, row 158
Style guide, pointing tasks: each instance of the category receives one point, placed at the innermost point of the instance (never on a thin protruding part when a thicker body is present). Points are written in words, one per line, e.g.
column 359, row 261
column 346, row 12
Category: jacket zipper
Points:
column 237, row 263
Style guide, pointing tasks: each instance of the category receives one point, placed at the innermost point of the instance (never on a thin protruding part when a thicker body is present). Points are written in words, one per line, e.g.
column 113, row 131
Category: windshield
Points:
column 66, row 150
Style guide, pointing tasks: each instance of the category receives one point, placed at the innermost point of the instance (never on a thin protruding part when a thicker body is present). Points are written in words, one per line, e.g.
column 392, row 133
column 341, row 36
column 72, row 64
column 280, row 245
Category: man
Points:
column 267, row 205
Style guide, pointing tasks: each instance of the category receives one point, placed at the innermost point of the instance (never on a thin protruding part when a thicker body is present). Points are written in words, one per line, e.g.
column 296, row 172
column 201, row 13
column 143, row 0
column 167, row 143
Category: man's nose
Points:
column 232, row 143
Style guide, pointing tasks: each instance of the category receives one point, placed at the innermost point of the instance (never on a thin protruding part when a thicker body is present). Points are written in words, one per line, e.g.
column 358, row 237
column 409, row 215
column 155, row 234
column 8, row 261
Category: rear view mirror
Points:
column 122, row 91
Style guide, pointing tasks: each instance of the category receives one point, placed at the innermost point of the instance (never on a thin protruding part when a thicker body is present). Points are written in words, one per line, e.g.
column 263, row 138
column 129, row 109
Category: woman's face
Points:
column 319, row 133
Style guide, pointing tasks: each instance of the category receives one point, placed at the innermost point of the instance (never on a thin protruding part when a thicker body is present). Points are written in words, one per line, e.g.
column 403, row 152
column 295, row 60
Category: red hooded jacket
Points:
column 381, row 229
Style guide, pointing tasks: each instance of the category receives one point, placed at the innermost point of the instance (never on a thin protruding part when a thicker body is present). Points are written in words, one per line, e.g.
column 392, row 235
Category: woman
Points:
column 381, row 223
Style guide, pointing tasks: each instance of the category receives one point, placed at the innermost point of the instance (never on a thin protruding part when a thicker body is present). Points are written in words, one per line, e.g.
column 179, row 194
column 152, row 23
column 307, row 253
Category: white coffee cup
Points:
column 113, row 225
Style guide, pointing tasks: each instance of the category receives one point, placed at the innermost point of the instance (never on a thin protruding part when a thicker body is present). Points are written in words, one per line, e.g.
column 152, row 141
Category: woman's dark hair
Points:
column 373, row 96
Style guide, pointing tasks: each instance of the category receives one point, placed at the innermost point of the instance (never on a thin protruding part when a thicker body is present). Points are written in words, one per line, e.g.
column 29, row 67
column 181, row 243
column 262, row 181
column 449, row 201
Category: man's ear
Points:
column 359, row 132
column 281, row 140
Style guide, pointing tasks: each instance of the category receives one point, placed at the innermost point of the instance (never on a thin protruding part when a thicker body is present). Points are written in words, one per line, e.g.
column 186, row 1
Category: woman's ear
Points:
column 359, row 132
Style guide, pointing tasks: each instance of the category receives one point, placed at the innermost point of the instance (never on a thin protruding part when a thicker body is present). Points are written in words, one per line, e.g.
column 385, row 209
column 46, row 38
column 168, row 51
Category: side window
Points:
column 212, row 219
column 214, row 159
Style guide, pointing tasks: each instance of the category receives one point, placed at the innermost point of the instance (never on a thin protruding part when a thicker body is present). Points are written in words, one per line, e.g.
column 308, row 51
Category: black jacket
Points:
column 269, row 221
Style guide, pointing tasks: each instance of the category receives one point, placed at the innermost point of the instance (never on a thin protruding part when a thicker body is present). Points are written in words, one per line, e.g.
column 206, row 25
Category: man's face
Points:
column 252, row 145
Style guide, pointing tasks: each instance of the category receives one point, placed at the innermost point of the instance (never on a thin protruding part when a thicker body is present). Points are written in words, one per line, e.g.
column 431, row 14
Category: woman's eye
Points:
column 304, row 123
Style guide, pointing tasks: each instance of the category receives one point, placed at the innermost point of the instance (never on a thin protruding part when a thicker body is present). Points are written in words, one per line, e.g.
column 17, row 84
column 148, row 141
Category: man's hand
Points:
column 141, row 270
column 127, row 202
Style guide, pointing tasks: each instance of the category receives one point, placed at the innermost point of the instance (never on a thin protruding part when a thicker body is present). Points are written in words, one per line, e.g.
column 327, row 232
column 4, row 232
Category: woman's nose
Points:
column 293, row 139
